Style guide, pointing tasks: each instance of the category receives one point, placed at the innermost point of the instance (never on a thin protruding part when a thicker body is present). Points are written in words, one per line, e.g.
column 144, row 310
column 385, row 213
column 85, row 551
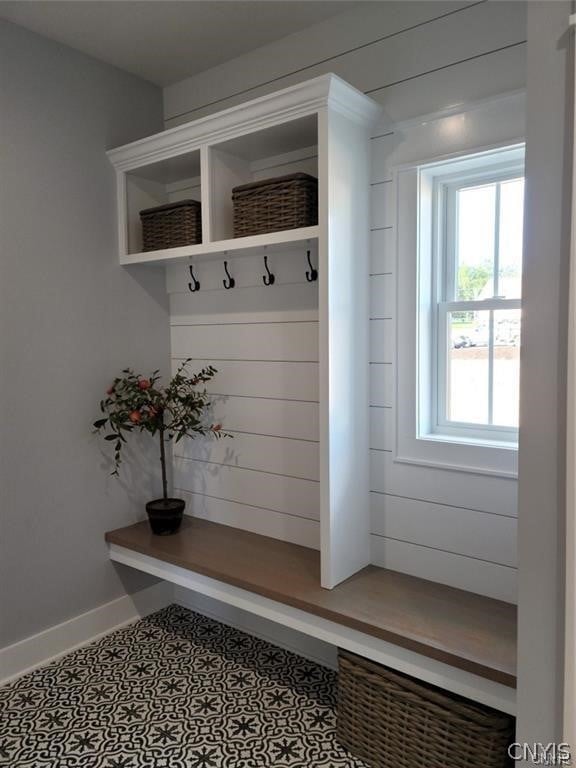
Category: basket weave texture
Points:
column 390, row 720
column 171, row 225
column 286, row 202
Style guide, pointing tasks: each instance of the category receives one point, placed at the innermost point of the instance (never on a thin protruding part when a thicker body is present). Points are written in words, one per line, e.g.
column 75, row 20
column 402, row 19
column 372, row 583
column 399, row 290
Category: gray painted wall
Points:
column 543, row 385
column 70, row 318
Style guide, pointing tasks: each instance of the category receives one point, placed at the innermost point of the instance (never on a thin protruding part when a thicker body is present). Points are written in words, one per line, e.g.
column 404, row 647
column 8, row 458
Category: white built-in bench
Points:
column 462, row 642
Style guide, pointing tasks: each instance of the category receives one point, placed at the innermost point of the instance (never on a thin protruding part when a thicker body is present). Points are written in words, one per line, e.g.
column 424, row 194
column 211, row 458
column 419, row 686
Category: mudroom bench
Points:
column 462, row 642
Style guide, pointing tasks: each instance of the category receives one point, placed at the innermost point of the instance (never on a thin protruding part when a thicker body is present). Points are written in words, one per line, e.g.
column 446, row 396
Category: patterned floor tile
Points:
column 174, row 690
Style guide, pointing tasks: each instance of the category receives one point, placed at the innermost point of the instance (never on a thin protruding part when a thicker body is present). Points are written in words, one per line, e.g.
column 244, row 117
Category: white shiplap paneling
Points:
column 291, row 342
column 462, row 531
column 280, row 381
column 495, row 581
column 290, row 495
column 296, row 458
column 416, row 59
column 266, row 522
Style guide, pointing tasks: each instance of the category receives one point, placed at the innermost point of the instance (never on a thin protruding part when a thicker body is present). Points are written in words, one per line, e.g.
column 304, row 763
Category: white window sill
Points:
column 511, row 445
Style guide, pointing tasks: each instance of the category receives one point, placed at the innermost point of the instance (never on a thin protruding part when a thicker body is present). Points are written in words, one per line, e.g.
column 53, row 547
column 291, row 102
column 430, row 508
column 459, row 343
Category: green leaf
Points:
column 111, row 437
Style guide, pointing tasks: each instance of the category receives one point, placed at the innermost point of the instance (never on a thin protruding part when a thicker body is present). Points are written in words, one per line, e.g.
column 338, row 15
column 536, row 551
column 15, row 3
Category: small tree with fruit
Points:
column 174, row 411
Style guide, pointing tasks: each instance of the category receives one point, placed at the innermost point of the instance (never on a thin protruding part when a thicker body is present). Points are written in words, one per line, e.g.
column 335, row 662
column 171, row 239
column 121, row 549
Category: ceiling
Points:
column 164, row 41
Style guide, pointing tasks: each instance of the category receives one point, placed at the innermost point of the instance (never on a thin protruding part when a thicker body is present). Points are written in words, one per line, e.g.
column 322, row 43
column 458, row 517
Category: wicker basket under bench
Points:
column 390, row 720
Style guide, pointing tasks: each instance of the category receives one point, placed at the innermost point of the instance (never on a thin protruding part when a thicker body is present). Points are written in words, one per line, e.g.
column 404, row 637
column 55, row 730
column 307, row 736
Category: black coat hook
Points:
column 231, row 282
column 195, row 284
column 313, row 274
column 268, row 278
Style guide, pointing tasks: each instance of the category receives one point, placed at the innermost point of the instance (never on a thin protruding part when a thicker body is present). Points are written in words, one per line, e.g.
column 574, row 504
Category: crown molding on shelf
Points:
column 327, row 91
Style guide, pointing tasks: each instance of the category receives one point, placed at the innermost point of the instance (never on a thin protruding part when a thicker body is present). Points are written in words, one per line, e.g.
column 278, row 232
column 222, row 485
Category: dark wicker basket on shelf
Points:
column 286, row 202
column 171, row 225
column 390, row 720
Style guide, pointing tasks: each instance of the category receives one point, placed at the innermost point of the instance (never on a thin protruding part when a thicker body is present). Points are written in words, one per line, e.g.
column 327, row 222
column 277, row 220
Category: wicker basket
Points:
column 392, row 721
column 286, row 202
column 171, row 225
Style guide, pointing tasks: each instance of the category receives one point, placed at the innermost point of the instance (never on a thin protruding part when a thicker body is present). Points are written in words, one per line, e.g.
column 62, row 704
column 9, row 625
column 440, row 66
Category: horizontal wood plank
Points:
column 254, row 341
column 296, row 458
column 267, row 522
column 382, row 254
column 381, row 384
column 382, row 205
column 462, row 531
column 489, row 579
column 291, row 495
column 382, row 429
column 459, row 489
column 261, row 416
column 382, row 296
column 283, row 381
column 467, row 631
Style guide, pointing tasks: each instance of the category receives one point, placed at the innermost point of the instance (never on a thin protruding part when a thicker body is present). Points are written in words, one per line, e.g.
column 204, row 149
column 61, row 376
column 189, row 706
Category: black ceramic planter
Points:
column 165, row 515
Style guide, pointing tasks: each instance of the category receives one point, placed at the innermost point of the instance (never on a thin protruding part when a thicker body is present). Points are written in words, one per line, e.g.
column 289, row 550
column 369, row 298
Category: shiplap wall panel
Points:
column 267, row 416
column 458, row 489
column 381, row 341
column 382, row 211
column 280, row 381
column 296, row 458
column 284, row 302
column 266, row 522
column 381, row 384
column 443, row 36
column 382, row 251
column 291, row 342
column 462, row 531
column 497, row 581
column 290, row 495
column 415, row 59
column 381, row 429
column 382, row 296
column 502, row 70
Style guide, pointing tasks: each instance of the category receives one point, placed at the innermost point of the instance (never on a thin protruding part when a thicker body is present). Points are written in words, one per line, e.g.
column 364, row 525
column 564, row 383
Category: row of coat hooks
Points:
column 267, row 279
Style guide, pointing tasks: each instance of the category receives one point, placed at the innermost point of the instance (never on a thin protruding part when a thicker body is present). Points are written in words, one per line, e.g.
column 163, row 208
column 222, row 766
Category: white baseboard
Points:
column 285, row 637
column 46, row 646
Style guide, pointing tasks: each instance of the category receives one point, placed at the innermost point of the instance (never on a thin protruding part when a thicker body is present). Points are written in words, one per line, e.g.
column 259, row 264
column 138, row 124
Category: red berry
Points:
column 144, row 383
column 135, row 417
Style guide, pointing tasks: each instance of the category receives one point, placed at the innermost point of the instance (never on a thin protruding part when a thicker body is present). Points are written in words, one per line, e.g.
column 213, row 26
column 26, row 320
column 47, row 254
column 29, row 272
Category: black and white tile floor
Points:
column 174, row 690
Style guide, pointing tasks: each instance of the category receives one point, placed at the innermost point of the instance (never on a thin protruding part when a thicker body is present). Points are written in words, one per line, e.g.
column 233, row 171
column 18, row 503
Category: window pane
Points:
column 468, row 367
column 510, row 238
column 506, row 390
column 476, row 207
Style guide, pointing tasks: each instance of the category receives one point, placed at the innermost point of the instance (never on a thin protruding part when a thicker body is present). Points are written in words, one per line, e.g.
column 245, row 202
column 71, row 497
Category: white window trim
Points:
column 414, row 366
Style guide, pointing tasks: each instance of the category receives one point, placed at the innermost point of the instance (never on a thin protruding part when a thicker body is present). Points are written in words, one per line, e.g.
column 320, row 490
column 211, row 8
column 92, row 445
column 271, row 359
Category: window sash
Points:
column 447, row 204
column 444, row 292
column 442, row 424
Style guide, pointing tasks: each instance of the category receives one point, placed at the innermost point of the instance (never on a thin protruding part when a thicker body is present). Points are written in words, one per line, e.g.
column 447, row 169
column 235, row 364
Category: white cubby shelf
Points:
column 271, row 242
column 321, row 127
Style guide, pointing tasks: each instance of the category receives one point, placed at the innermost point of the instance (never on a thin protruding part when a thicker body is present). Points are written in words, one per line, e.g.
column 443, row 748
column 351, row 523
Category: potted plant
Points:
column 174, row 411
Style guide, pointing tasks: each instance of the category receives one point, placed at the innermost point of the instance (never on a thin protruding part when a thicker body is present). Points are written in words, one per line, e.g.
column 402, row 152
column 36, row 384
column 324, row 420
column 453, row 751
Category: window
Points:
column 458, row 316
column 476, row 299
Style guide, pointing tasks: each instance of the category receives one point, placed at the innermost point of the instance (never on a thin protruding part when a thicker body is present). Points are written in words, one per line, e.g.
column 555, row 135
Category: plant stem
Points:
column 163, row 463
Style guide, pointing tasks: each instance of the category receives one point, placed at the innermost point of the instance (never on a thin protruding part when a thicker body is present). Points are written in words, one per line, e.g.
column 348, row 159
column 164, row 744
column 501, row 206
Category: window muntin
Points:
column 476, row 302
